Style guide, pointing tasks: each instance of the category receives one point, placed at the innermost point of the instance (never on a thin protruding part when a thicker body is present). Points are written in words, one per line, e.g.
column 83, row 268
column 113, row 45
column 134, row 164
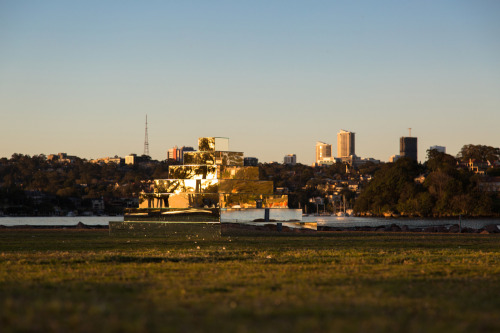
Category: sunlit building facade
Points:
column 212, row 193
column 345, row 144
column 177, row 154
column 290, row 159
column 173, row 153
column 131, row 159
column 323, row 151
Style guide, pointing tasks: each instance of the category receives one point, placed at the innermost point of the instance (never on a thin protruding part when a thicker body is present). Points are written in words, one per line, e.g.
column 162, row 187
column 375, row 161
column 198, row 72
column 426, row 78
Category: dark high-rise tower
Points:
column 408, row 147
column 146, row 143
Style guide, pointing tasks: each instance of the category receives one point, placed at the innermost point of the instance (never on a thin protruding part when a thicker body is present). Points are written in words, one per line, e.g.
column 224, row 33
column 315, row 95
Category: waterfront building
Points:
column 290, row 159
column 250, row 161
column 408, row 147
column 323, row 151
column 345, row 144
column 212, row 193
column 440, row 149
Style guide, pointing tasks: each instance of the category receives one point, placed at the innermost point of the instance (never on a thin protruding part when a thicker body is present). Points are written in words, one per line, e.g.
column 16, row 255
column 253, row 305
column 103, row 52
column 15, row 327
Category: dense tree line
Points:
column 437, row 188
column 59, row 184
column 479, row 153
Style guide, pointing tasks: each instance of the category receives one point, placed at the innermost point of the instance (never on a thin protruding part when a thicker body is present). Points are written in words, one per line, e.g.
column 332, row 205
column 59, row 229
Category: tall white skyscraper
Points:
column 323, row 150
column 345, row 144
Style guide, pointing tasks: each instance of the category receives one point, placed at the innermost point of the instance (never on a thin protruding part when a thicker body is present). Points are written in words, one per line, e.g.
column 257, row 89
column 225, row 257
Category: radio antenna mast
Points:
column 146, row 143
column 408, row 129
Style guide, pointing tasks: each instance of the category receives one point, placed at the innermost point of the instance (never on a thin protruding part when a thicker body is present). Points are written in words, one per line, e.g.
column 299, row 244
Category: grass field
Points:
column 86, row 281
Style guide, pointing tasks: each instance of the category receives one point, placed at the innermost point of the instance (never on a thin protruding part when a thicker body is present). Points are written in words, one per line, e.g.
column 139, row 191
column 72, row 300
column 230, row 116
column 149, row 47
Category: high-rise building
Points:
column 290, row 159
column 177, row 154
column 173, row 153
column 250, row 161
column 345, row 144
column 131, row 159
column 323, row 151
column 440, row 149
column 408, row 147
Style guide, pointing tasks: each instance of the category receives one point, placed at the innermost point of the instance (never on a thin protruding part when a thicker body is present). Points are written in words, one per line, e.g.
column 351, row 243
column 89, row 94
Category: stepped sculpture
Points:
column 212, row 194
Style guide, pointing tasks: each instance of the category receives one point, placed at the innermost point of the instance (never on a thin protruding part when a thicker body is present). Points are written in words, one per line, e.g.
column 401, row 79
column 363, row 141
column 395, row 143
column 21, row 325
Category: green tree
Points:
column 393, row 184
column 440, row 161
column 479, row 153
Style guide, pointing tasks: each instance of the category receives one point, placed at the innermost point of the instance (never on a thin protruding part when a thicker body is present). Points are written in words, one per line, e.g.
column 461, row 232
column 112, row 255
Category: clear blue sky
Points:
column 273, row 76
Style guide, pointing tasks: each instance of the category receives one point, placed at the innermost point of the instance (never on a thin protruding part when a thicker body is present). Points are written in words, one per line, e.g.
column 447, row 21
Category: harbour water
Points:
column 333, row 221
column 352, row 221
column 9, row 221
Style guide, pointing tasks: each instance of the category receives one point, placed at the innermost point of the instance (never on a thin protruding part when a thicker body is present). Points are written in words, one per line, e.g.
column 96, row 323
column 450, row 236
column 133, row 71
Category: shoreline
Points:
column 78, row 226
column 322, row 229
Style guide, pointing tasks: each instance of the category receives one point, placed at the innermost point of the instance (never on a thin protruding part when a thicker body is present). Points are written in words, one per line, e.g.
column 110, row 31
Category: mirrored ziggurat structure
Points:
column 212, row 194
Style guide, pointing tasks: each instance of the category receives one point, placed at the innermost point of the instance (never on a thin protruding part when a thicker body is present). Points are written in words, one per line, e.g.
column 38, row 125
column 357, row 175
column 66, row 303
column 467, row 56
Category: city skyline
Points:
column 275, row 77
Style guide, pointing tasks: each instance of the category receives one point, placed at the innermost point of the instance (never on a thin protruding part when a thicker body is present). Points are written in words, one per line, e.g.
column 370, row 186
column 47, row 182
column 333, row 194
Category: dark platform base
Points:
column 170, row 230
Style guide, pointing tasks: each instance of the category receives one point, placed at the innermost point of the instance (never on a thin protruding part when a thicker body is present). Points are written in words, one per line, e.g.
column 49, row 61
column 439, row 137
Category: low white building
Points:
column 394, row 158
column 440, row 149
column 290, row 159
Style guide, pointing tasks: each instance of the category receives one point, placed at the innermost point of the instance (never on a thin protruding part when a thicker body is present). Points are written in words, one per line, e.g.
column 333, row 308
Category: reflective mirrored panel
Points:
column 172, row 214
column 213, row 144
column 213, row 172
column 152, row 200
column 206, row 144
column 211, row 158
column 193, row 172
column 214, row 186
column 186, row 185
column 197, row 157
column 238, row 172
column 221, row 144
column 259, row 215
column 186, row 200
column 253, row 201
column 229, row 158
column 246, row 186
column 179, row 200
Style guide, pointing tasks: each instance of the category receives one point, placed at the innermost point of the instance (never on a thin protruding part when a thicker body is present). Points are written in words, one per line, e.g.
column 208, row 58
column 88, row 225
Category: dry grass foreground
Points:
column 86, row 281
